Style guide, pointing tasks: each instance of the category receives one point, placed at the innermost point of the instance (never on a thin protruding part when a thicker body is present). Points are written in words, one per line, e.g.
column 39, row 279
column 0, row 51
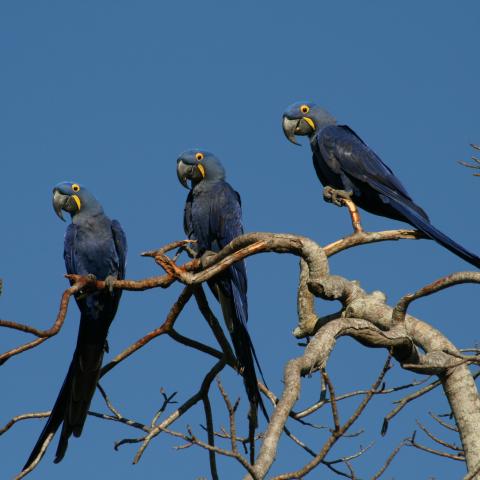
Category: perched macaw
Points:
column 344, row 162
column 94, row 245
column 213, row 217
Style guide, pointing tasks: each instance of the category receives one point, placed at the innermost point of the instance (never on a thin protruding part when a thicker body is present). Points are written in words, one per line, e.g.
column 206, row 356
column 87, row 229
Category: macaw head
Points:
column 74, row 198
column 197, row 165
column 305, row 118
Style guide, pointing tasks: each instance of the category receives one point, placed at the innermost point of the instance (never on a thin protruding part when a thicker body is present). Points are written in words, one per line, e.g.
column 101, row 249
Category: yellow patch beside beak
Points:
column 77, row 201
column 201, row 169
column 310, row 122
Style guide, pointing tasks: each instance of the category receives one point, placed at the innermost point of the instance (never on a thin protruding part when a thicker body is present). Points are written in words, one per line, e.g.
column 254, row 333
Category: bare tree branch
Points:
column 364, row 317
column 42, row 334
column 164, row 328
column 364, row 238
column 457, row 278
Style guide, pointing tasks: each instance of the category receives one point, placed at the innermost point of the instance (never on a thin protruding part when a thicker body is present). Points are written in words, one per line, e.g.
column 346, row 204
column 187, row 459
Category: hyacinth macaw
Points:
column 345, row 163
column 94, row 245
column 213, row 217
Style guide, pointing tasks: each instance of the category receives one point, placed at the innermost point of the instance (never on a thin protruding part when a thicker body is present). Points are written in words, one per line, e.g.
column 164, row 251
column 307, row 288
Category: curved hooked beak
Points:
column 70, row 204
column 297, row 126
column 186, row 172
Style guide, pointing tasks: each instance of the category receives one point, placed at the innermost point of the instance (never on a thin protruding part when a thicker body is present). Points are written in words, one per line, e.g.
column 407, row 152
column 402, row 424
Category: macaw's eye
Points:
column 199, row 156
column 304, row 108
column 76, row 187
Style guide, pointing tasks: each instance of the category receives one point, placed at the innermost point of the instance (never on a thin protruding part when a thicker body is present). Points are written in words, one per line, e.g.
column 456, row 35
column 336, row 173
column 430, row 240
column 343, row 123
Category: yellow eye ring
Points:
column 199, row 156
column 304, row 109
column 76, row 187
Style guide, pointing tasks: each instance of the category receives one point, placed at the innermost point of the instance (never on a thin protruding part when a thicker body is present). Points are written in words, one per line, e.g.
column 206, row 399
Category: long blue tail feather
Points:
column 430, row 231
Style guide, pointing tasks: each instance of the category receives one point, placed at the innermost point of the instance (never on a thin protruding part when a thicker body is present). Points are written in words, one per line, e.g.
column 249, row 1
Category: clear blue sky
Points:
column 108, row 93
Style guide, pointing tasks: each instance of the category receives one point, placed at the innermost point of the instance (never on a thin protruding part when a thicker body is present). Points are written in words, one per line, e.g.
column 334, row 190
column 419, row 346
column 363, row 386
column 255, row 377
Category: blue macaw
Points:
column 344, row 162
column 213, row 217
column 94, row 245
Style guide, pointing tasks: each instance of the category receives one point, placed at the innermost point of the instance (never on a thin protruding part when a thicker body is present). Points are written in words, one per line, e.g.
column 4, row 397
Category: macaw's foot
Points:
column 109, row 281
column 205, row 256
column 337, row 197
column 91, row 277
column 343, row 198
column 87, row 288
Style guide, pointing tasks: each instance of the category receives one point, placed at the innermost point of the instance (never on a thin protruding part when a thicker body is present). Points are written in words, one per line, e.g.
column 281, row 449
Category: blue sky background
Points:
column 109, row 93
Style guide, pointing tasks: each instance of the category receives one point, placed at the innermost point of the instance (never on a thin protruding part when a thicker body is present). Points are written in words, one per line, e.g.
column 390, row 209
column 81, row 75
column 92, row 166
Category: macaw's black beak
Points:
column 64, row 202
column 183, row 173
column 186, row 172
column 297, row 126
column 289, row 128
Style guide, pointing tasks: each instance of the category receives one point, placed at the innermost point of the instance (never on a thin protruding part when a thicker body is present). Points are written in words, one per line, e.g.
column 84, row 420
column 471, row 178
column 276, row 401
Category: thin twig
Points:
column 476, row 164
column 389, row 460
column 24, row 416
column 42, row 334
column 211, row 436
column 189, row 342
column 338, row 433
column 167, row 400
column 438, row 440
column 123, row 420
column 108, row 402
column 191, row 439
column 333, row 403
column 412, row 443
column 231, row 415
column 34, row 464
column 381, row 391
column 405, row 401
column 194, row 399
column 453, row 428
column 409, row 398
column 213, row 323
